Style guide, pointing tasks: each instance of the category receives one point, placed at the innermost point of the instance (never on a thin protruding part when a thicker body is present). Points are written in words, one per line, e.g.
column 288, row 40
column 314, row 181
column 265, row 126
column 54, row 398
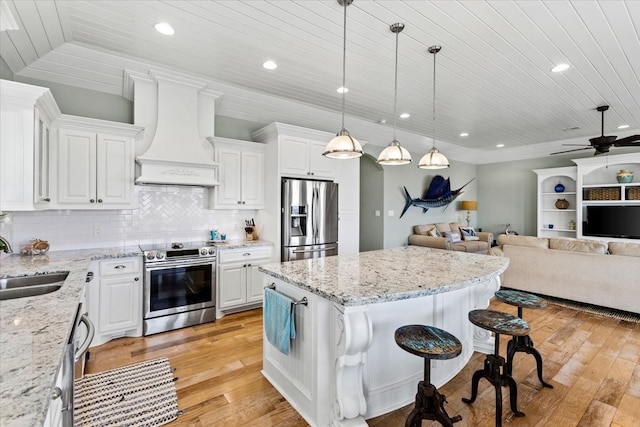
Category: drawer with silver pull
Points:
column 120, row 266
column 244, row 254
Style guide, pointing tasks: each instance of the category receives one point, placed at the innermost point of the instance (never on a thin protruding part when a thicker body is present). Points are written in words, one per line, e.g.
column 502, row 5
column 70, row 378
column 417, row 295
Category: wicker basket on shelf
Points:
column 612, row 193
column 633, row 193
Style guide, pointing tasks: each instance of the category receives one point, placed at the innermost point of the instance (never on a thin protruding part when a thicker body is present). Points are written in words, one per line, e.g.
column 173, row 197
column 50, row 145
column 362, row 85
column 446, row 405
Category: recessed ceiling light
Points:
column 164, row 28
column 343, row 89
column 499, row 145
column 270, row 65
column 560, row 67
column 464, row 134
column 405, row 115
column 623, row 126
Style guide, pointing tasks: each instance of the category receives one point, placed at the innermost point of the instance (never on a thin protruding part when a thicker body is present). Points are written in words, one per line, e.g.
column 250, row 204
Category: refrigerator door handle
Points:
column 302, row 251
column 316, row 214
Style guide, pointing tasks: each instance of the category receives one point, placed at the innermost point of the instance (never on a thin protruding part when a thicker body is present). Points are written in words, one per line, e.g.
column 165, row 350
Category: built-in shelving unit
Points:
column 553, row 221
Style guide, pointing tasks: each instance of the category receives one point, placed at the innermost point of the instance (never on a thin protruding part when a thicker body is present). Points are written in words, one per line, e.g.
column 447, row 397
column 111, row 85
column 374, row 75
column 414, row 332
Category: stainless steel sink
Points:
column 29, row 286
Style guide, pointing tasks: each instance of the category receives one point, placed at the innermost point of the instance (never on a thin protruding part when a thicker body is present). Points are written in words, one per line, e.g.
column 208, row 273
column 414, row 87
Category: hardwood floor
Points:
column 593, row 363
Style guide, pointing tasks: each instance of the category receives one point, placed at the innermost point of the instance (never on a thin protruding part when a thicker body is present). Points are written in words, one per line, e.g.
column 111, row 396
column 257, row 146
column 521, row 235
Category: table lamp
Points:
column 469, row 205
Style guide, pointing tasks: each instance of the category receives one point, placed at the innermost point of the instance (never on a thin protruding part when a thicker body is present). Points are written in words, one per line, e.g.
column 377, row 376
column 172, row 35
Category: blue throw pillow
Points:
column 468, row 233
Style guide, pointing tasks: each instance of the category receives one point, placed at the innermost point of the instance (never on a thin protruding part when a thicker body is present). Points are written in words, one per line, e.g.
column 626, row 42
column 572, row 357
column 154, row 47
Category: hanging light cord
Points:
column 434, row 99
column 344, row 59
column 395, row 97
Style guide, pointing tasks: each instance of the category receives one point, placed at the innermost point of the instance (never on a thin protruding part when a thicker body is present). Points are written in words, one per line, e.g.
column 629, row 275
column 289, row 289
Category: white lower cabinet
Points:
column 115, row 299
column 239, row 281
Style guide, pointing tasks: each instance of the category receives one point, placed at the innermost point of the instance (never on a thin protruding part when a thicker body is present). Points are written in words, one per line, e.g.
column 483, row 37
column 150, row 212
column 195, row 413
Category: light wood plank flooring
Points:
column 593, row 363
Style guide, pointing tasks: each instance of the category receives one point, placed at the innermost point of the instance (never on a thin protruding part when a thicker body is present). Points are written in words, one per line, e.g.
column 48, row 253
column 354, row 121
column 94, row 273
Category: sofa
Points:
column 588, row 271
column 438, row 236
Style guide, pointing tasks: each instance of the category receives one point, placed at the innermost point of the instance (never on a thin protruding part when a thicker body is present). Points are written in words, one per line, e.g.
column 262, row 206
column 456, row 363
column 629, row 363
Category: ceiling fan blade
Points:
column 628, row 141
column 570, row 151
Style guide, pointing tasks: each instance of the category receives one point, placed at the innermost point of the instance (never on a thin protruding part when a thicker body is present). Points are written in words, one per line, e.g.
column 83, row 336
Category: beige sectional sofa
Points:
column 588, row 271
column 421, row 237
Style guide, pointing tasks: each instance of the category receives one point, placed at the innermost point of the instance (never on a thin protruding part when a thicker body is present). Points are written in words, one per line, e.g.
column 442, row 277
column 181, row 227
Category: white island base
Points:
column 344, row 366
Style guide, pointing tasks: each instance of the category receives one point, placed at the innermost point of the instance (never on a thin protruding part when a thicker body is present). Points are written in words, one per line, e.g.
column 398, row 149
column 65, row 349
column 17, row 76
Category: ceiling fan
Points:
column 602, row 143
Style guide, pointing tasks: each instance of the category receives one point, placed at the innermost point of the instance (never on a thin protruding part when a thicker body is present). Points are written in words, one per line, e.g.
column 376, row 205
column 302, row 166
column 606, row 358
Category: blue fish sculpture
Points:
column 438, row 194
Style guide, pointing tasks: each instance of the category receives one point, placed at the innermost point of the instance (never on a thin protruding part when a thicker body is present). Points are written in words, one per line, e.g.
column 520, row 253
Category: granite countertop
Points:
column 34, row 330
column 388, row 274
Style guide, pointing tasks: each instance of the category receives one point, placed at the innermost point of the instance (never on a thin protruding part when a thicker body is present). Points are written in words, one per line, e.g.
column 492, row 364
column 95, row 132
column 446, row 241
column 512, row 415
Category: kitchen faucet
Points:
column 6, row 247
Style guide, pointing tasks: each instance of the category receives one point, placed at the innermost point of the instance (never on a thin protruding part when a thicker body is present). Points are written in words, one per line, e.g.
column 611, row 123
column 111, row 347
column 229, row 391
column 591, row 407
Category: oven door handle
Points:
column 186, row 263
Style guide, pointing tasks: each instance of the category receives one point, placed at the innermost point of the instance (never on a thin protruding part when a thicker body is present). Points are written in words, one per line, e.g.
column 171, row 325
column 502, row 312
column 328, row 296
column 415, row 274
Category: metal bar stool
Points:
column 429, row 343
column 523, row 343
column 498, row 323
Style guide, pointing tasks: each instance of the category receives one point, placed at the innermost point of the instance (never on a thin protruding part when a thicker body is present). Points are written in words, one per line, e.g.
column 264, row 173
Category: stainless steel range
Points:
column 179, row 286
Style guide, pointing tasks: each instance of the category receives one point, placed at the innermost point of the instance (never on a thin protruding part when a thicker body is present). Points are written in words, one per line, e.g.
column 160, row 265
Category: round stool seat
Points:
column 499, row 322
column 520, row 299
column 428, row 342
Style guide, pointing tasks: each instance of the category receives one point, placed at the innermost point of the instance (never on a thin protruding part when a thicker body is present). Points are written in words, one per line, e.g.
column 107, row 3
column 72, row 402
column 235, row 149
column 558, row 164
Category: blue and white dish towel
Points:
column 279, row 323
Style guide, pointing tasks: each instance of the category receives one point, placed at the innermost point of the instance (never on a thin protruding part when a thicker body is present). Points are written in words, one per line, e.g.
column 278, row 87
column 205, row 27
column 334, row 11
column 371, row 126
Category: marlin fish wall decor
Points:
column 438, row 194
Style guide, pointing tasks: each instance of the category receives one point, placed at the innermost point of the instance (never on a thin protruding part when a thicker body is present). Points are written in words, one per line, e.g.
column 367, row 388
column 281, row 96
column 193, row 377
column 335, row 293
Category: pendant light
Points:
column 434, row 159
column 395, row 154
column 343, row 146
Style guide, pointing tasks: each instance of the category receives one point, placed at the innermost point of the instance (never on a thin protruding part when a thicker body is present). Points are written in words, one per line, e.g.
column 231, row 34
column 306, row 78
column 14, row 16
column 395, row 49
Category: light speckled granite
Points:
column 234, row 244
column 34, row 330
column 387, row 275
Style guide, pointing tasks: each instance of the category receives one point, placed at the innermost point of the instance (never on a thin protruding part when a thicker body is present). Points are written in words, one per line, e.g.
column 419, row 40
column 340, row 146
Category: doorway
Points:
column 371, row 204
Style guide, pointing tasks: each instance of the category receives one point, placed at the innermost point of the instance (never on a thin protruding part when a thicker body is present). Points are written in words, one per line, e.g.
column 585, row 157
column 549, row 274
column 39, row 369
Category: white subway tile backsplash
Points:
column 164, row 214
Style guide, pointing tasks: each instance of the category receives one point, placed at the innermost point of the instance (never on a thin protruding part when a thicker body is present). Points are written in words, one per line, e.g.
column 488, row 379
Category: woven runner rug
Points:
column 141, row 395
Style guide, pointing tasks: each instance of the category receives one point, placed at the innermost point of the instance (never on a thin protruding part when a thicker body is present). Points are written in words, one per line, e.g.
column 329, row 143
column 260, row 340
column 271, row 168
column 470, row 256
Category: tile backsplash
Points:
column 164, row 214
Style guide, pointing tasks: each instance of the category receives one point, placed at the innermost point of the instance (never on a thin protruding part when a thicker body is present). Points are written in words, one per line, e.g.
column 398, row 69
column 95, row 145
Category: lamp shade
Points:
column 469, row 205
column 394, row 154
column 433, row 160
column 343, row 146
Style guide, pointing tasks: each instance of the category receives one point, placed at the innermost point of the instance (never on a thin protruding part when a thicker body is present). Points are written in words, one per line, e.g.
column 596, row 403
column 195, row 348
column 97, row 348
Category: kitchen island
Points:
column 344, row 365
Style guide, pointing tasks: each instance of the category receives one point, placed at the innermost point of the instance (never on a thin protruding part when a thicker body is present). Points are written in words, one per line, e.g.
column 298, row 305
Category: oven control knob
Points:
column 160, row 255
column 203, row 251
column 212, row 251
column 151, row 256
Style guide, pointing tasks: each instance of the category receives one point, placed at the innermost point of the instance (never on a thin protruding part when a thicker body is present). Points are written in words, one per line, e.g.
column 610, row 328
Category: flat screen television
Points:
column 613, row 221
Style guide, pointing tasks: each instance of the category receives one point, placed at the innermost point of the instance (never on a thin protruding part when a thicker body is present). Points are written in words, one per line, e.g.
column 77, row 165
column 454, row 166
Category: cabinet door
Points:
column 228, row 193
column 76, row 167
column 319, row 165
column 120, row 305
column 254, row 282
column 294, row 157
column 16, row 158
column 114, row 170
column 232, row 285
column 252, row 180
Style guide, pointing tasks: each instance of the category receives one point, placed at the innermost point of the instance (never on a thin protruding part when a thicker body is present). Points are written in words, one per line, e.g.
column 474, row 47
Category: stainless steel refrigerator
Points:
column 309, row 219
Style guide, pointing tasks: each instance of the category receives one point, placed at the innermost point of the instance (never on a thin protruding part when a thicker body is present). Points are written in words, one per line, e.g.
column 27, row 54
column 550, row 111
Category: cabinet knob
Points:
column 56, row 393
column 239, row 202
column 99, row 200
column 136, row 279
column 248, row 265
column 243, row 202
column 47, row 199
column 92, row 201
column 244, row 265
column 312, row 173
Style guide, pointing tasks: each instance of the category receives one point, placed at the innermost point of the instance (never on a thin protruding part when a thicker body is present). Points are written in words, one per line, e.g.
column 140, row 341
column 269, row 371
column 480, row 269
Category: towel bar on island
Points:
column 303, row 301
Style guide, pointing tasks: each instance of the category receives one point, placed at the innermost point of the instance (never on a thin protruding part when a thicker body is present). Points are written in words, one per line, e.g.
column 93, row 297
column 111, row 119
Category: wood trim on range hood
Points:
column 175, row 111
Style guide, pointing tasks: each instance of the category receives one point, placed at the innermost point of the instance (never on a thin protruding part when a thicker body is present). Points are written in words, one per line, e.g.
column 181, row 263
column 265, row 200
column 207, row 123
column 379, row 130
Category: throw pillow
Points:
column 468, row 233
column 434, row 232
column 453, row 236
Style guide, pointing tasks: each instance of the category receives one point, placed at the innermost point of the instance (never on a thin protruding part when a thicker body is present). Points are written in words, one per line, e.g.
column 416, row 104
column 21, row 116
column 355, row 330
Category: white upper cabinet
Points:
column 301, row 157
column 240, row 175
column 25, row 115
column 95, row 169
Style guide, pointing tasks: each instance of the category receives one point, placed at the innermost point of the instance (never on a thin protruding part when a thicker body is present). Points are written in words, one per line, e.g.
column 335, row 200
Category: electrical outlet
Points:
column 377, row 213
column 97, row 230
column 391, row 213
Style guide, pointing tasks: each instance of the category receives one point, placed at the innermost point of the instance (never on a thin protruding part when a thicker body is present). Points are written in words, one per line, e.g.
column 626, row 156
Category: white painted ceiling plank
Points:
column 9, row 53
column 32, row 24
column 50, row 21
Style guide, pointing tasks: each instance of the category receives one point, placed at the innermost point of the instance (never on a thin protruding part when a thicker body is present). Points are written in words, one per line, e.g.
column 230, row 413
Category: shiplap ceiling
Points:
column 493, row 73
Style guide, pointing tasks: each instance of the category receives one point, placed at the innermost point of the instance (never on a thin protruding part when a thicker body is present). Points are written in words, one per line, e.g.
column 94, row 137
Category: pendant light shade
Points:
column 394, row 154
column 343, row 146
column 434, row 159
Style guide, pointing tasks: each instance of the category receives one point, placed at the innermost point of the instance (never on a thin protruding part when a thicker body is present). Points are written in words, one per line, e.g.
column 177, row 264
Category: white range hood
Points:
column 178, row 115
